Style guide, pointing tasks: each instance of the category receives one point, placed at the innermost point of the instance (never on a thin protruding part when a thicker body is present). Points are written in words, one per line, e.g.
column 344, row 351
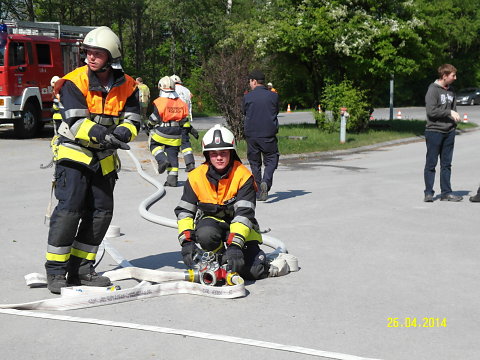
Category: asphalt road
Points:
column 371, row 254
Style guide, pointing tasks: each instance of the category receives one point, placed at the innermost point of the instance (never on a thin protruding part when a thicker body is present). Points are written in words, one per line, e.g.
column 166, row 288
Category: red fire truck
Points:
column 31, row 53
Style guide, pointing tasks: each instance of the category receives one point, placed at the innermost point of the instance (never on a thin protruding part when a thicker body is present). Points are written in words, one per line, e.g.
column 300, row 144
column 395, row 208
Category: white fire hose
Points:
column 168, row 283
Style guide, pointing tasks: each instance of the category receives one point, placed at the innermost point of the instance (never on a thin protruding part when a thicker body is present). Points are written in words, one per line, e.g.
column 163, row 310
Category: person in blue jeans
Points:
column 442, row 119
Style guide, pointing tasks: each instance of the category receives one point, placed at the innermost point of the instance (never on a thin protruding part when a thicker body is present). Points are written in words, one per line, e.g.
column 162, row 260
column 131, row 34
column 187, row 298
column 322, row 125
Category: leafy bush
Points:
column 336, row 96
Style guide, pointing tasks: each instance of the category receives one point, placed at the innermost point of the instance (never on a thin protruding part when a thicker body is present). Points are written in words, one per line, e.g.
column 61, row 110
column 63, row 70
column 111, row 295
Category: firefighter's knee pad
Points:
column 209, row 237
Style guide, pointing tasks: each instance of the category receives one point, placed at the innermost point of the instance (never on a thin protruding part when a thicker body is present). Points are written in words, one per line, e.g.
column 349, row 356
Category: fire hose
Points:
column 199, row 283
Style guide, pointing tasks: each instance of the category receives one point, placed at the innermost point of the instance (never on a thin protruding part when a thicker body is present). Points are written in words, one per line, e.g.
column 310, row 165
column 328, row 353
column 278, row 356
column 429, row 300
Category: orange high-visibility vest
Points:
column 171, row 109
column 116, row 97
column 227, row 188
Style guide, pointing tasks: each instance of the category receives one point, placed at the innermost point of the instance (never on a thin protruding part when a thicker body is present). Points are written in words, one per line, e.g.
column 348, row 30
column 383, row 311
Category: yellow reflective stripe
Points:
column 81, row 155
column 57, row 116
column 132, row 129
column 191, row 275
column 83, row 254
column 240, row 228
column 82, row 132
column 57, row 257
column 157, row 149
column 185, row 224
column 107, row 164
column 254, row 236
column 187, row 150
column 166, row 141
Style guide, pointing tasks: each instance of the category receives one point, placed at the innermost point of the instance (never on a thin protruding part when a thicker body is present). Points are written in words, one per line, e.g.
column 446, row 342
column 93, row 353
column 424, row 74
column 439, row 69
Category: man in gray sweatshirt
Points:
column 442, row 119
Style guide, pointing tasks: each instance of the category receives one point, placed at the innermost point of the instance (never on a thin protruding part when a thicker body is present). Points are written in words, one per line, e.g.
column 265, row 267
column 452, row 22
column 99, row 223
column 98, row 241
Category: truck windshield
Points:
column 3, row 43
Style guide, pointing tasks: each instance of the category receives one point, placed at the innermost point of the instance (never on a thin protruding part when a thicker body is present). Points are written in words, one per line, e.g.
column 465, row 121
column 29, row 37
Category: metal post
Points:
column 391, row 97
column 343, row 124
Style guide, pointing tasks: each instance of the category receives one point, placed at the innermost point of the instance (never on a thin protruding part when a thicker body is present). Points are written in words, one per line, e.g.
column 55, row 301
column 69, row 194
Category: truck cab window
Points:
column 3, row 43
column 16, row 54
column 43, row 54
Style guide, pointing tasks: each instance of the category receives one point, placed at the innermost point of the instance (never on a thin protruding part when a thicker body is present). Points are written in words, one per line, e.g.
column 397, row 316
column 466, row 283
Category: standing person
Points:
column 260, row 107
column 271, row 88
column 223, row 191
column 167, row 128
column 100, row 114
column 442, row 118
column 186, row 147
column 56, row 115
column 144, row 97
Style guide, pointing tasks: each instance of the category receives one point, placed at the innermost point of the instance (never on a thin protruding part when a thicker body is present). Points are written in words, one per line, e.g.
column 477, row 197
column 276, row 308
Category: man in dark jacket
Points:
column 442, row 119
column 260, row 107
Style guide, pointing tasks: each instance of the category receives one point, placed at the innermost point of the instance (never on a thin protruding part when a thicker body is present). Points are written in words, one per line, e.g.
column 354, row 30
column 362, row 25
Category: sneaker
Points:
column 189, row 167
column 475, row 198
column 56, row 282
column 428, row 198
column 263, row 194
column 451, row 197
column 92, row 279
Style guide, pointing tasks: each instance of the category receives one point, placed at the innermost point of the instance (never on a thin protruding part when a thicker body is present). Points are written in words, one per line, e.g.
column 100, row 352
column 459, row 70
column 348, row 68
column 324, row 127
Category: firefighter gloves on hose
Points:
column 187, row 239
column 233, row 257
column 122, row 133
column 111, row 142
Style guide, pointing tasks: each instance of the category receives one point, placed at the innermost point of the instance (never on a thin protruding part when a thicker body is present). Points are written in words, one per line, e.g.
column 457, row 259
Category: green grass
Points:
column 314, row 140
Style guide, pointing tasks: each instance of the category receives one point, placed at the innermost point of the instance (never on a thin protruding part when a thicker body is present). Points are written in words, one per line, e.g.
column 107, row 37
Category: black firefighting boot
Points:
column 476, row 197
column 81, row 272
column 172, row 180
column 162, row 166
column 189, row 167
column 55, row 282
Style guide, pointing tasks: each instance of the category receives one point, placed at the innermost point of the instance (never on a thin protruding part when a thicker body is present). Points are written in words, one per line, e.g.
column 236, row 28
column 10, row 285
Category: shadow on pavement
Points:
column 283, row 195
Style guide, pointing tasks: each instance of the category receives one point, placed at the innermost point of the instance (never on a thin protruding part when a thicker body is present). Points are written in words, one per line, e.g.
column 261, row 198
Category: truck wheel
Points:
column 27, row 125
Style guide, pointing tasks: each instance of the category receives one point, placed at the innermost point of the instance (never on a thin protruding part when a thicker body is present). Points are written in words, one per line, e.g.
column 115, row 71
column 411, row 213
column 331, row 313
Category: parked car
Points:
column 468, row 96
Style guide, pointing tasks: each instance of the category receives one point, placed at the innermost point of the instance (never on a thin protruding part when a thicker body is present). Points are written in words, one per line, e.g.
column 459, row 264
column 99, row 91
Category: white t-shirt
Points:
column 185, row 95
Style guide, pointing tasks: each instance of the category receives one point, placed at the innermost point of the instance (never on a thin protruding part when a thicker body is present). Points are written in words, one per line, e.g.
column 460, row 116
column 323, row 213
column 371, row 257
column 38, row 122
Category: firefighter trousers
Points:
column 80, row 219
column 211, row 235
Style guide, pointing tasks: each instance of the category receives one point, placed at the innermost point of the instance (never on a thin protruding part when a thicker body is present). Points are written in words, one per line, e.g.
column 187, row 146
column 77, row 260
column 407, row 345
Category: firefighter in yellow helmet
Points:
column 223, row 193
column 100, row 114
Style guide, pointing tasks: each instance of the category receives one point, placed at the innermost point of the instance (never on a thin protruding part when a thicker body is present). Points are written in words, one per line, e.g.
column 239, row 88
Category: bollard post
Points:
column 343, row 124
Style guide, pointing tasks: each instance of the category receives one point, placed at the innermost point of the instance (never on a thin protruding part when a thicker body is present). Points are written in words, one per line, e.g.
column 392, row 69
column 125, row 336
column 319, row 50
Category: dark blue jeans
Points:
column 439, row 144
column 263, row 150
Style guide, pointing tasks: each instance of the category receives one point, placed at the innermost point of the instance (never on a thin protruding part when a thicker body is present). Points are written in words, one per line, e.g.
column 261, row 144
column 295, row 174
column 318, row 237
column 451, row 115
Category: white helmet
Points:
column 54, row 80
column 166, row 84
column 104, row 38
column 176, row 79
column 218, row 138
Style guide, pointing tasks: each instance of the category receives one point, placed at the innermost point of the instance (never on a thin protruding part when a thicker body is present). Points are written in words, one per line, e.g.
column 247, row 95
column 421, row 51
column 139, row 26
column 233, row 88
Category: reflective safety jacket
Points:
column 88, row 109
column 230, row 198
column 169, row 119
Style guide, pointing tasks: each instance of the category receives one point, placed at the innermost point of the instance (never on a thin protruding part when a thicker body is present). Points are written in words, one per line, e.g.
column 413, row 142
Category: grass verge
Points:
column 307, row 138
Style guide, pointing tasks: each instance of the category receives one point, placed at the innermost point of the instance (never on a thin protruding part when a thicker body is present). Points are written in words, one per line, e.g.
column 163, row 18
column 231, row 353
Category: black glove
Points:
column 188, row 252
column 111, row 142
column 194, row 132
column 122, row 133
column 233, row 257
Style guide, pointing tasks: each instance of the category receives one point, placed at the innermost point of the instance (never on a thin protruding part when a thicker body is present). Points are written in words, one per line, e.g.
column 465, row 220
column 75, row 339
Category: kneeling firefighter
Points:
column 100, row 113
column 217, row 209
